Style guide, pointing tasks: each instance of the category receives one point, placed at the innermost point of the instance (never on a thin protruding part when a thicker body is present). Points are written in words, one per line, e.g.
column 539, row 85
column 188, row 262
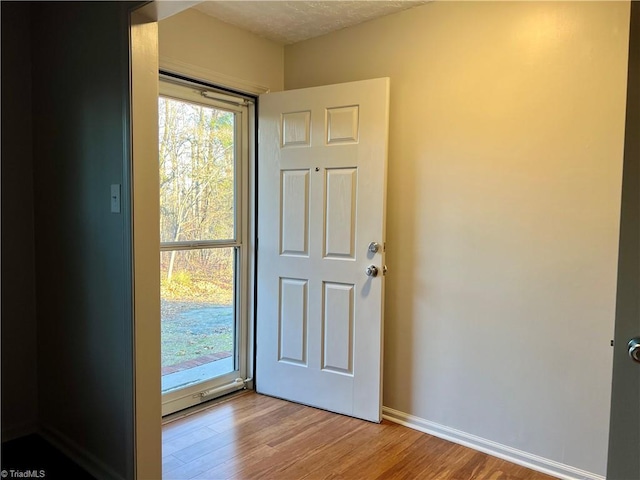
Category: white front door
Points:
column 321, row 203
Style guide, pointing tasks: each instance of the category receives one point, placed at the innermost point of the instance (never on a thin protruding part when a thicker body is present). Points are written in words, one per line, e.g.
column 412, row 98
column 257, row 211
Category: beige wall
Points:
column 225, row 54
column 506, row 136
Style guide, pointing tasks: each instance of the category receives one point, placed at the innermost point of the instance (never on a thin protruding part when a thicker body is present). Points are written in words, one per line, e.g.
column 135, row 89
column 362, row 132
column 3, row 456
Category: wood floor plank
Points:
column 180, row 442
column 169, row 462
column 249, row 414
column 258, row 437
column 298, row 450
column 235, row 467
column 282, row 436
column 242, row 404
column 237, row 429
column 386, row 458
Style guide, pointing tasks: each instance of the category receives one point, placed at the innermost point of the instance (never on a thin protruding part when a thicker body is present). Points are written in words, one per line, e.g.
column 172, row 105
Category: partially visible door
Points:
column 321, row 232
column 624, row 436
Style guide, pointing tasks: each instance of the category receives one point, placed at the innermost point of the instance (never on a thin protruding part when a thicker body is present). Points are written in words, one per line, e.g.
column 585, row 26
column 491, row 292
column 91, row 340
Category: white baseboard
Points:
column 534, row 462
column 79, row 455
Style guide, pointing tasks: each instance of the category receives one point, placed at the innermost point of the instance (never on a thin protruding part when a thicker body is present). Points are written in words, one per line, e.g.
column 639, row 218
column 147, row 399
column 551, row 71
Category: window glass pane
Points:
column 197, row 172
column 197, row 315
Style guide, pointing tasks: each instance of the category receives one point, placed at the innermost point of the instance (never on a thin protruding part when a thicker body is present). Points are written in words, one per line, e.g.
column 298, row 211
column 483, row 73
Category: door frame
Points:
column 143, row 46
column 144, row 196
column 144, row 68
column 181, row 88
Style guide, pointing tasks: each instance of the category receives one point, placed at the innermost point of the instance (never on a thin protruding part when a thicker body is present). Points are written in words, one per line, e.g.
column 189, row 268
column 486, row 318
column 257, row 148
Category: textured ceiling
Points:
column 293, row 21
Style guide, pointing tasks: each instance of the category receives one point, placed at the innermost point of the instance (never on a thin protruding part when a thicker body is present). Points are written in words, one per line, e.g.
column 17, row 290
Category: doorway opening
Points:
column 203, row 161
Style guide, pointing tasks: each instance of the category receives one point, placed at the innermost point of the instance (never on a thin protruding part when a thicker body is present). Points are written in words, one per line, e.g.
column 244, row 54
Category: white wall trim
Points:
column 513, row 455
column 195, row 72
column 78, row 454
column 159, row 10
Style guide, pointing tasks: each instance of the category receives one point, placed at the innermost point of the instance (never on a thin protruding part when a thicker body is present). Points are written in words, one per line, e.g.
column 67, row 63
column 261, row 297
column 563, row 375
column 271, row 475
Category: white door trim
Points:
column 245, row 275
column 195, row 72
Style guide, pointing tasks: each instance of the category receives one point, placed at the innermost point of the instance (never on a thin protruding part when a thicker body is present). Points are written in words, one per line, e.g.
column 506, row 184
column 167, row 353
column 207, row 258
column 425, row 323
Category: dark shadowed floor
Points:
column 34, row 454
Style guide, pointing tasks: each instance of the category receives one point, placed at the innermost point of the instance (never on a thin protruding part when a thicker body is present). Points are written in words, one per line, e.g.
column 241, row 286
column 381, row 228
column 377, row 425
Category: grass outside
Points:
column 197, row 319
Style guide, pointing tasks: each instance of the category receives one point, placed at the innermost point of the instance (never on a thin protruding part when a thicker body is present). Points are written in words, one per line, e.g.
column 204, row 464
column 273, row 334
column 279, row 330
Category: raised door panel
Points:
column 294, row 212
column 340, row 213
column 292, row 321
column 337, row 328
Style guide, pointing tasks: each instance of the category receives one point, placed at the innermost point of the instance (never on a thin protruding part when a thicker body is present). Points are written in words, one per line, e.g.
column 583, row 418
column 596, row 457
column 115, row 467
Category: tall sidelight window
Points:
column 203, row 182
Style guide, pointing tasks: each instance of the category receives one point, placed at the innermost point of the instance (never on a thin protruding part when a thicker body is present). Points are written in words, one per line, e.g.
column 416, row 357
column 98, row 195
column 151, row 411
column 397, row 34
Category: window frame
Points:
column 244, row 112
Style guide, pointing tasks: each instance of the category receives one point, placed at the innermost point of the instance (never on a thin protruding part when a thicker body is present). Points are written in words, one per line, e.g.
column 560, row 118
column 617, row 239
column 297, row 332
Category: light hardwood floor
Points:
column 257, row 437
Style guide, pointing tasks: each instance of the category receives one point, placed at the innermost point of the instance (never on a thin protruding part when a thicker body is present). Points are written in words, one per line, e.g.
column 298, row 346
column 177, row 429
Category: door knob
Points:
column 374, row 247
column 634, row 349
column 371, row 271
